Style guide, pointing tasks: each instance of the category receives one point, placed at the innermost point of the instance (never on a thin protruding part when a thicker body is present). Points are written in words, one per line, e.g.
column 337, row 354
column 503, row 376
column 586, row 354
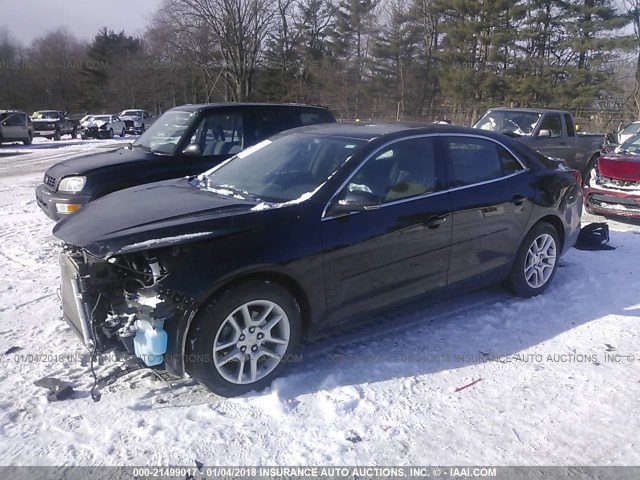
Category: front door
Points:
column 400, row 250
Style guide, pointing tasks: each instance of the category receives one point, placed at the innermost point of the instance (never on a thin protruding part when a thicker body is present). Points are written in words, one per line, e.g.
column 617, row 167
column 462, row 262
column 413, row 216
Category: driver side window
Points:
column 219, row 134
column 403, row 170
column 552, row 123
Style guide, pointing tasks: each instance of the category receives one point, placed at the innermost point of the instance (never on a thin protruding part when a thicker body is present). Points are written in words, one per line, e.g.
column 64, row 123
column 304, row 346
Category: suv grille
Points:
column 49, row 181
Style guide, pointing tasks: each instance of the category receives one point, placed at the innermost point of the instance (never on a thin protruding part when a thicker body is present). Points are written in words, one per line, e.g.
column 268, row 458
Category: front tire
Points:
column 29, row 139
column 57, row 136
column 74, row 133
column 536, row 262
column 240, row 341
column 122, row 133
column 110, row 134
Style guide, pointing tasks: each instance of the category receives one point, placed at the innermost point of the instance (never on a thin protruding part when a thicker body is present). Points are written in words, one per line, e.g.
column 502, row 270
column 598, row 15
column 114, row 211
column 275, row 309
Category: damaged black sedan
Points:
column 222, row 275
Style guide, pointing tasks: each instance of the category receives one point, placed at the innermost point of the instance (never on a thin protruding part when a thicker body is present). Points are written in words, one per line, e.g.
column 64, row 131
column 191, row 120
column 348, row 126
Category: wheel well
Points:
column 556, row 223
column 590, row 164
column 285, row 281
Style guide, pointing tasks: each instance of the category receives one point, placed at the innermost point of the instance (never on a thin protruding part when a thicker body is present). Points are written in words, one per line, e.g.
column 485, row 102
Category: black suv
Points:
column 186, row 140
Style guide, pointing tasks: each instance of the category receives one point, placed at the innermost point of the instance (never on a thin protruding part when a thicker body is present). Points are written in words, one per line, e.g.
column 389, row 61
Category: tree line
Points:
column 365, row 59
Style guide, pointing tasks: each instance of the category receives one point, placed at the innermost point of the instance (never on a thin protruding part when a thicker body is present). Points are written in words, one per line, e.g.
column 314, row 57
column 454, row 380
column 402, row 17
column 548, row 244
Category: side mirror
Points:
column 192, row 150
column 544, row 134
column 355, row 201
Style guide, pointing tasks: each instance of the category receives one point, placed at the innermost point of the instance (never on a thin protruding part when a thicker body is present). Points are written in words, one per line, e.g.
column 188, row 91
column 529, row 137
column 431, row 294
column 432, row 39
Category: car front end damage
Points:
column 119, row 304
column 614, row 187
column 133, row 125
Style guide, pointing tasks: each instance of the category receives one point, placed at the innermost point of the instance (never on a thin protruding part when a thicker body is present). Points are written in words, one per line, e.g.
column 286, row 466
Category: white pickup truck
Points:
column 551, row 132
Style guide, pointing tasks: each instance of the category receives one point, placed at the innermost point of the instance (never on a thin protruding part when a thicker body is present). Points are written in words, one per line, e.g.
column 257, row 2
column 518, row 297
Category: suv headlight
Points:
column 72, row 184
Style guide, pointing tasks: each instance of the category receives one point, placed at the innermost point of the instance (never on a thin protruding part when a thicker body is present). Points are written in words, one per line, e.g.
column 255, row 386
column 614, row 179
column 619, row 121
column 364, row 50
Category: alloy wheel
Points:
column 540, row 261
column 251, row 342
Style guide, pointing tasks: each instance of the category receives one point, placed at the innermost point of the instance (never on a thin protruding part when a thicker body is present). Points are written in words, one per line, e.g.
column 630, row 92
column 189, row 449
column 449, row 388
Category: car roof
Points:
column 528, row 110
column 241, row 105
column 371, row 130
column 11, row 111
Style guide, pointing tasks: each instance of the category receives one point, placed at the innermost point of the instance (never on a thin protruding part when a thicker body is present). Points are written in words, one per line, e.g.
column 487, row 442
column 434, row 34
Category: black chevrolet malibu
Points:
column 222, row 275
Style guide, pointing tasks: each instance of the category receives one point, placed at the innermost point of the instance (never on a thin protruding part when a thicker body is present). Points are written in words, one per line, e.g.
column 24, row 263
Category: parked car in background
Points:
column 102, row 126
column 186, row 140
column 628, row 131
column 551, row 132
column 15, row 126
column 137, row 121
column 613, row 185
column 84, row 121
column 52, row 124
column 222, row 275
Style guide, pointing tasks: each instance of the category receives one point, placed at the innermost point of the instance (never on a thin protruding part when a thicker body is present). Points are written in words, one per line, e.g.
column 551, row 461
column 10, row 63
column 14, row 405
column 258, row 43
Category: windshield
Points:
column 165, row 133
column 521, row 123
column 48, row 115
column 284, row 169
column 101, row 118
column 630, row 129
column 632, row 145
column 131, row 113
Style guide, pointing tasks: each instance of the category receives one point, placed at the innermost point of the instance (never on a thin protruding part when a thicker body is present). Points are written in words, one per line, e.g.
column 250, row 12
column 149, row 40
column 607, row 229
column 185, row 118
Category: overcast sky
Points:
column 28, row 19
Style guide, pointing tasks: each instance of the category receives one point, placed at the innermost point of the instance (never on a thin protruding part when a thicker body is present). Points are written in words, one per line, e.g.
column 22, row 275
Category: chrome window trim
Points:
column 425, row 195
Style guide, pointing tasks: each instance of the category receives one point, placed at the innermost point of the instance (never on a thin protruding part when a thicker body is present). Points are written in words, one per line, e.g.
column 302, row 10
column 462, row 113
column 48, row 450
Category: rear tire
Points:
column 536, row 262
column 74, row 133
column 240, row 324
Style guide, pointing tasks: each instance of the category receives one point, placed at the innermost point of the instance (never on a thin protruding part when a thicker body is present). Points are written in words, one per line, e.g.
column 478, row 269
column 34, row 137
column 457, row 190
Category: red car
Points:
column 613, row 186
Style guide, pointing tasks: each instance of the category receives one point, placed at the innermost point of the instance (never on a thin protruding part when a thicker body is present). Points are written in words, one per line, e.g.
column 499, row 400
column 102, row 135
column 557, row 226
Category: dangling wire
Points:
column 95, row 395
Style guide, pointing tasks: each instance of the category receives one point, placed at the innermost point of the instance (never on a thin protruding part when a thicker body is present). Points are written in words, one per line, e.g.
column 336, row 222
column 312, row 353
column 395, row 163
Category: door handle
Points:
column 435, row 222
column 518, row 199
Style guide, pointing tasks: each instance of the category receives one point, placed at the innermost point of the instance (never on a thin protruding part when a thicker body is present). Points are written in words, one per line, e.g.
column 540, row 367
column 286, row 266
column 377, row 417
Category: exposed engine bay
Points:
column 118, row 304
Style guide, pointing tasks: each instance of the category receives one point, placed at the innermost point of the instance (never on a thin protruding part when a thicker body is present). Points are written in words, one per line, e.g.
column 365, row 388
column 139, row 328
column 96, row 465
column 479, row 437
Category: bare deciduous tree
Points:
column 224, row 36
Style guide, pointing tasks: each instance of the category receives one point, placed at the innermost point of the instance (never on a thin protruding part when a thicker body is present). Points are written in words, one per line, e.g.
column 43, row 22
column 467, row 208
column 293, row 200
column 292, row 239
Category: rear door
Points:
column 488, row 188
column 401, row 249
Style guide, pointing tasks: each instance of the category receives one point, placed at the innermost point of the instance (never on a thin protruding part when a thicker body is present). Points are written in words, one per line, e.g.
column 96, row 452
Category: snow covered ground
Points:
column 557, row 377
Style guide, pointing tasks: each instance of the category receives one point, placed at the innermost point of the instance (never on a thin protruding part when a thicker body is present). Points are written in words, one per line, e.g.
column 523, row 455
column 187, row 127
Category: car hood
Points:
column 152, row 216
column 95, row 123
column 45, row 120
column 84, row 165
column 135, row 118
column 620, row 167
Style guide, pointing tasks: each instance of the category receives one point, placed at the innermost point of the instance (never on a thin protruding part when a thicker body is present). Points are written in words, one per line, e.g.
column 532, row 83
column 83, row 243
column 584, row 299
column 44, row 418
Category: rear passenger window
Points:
column 568, row 121
column 475, row 160
column 509, row 163
column 268, row 123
